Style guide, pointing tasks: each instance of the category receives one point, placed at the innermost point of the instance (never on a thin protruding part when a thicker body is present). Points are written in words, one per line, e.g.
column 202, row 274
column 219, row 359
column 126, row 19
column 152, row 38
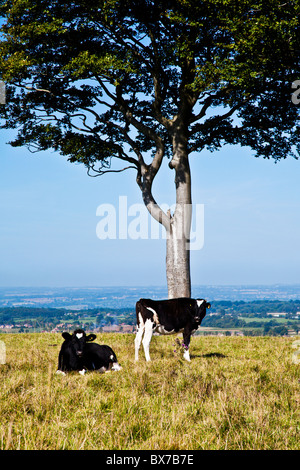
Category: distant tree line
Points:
column 255, row 307
column 223, row 314
column 44, row 316
column 227, row 314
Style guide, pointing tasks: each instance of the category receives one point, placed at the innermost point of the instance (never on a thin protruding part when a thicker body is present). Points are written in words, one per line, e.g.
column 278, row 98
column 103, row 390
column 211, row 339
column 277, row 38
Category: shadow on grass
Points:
column 213, row 354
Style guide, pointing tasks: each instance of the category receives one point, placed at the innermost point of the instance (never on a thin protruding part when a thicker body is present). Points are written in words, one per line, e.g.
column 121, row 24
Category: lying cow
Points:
column 79, row 354
column 168, row 317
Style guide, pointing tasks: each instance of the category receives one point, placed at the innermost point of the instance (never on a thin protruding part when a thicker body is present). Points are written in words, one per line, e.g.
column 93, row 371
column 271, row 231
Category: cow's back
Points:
column 174, row 314
column 97, row 356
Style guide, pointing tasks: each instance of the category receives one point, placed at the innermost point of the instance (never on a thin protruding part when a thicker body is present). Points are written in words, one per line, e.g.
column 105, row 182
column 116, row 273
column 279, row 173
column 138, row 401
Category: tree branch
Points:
column 145, row 184
column 207, row 102
column 213, row 121
column 100, row 172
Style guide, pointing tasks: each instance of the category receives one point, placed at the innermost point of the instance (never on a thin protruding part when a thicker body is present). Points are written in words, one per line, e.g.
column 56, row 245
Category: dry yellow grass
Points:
column 236, row 393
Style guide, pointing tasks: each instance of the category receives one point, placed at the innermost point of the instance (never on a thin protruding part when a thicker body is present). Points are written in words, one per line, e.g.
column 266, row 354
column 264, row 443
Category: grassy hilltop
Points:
column 236, row 393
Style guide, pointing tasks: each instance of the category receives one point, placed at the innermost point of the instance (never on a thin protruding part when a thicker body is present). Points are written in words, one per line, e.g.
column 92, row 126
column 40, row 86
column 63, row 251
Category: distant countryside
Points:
column 107, row 310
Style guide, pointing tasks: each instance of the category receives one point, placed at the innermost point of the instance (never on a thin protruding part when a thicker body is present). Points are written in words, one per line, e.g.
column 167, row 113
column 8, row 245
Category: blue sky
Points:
column 48, row 222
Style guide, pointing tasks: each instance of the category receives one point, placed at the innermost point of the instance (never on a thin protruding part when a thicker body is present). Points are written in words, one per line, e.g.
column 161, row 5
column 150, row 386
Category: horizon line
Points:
column 134, row 286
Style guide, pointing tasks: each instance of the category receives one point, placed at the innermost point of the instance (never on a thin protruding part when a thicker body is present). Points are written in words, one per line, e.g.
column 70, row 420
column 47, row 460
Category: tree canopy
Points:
column 113, row 78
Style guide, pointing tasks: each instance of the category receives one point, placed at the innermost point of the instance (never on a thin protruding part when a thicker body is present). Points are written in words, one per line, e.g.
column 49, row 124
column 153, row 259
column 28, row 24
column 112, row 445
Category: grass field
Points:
column 236, row 393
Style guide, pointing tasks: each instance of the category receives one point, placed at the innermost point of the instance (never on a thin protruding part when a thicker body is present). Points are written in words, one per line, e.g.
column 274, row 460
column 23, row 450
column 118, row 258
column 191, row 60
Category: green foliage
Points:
column 45, row 319
column 120, row 76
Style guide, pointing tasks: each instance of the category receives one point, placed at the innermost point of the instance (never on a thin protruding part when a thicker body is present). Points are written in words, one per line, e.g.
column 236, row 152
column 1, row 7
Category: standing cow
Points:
column 168, row 317
column 78, row 353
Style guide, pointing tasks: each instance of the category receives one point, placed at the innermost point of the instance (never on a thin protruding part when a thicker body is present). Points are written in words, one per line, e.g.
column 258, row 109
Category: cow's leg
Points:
column 186, row 342
column 186, row 355
column 138, row 338
column 147, row 338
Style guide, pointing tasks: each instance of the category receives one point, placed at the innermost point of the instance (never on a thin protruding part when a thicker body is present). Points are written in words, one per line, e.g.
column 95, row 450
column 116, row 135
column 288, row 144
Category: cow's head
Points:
column 200, row 313
column 78, row 340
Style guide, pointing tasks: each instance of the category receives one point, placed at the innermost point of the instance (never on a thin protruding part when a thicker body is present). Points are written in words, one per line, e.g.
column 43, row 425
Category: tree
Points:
column 123, row 84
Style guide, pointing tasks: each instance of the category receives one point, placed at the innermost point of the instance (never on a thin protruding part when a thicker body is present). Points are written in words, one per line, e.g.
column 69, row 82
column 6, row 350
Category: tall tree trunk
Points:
column 178, row 235
column 178, row 255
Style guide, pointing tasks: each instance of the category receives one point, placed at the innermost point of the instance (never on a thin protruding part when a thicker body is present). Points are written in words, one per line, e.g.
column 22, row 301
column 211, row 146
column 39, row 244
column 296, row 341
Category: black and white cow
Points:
column 78, row 353
column 168, row 317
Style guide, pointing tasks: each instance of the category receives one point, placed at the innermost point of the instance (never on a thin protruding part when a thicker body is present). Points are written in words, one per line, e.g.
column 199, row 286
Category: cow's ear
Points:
column 91, row 337
column 208, row 305
column 66, row 335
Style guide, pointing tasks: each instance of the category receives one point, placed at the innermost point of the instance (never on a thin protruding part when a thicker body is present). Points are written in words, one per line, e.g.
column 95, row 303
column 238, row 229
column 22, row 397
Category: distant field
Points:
column 236, row 393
